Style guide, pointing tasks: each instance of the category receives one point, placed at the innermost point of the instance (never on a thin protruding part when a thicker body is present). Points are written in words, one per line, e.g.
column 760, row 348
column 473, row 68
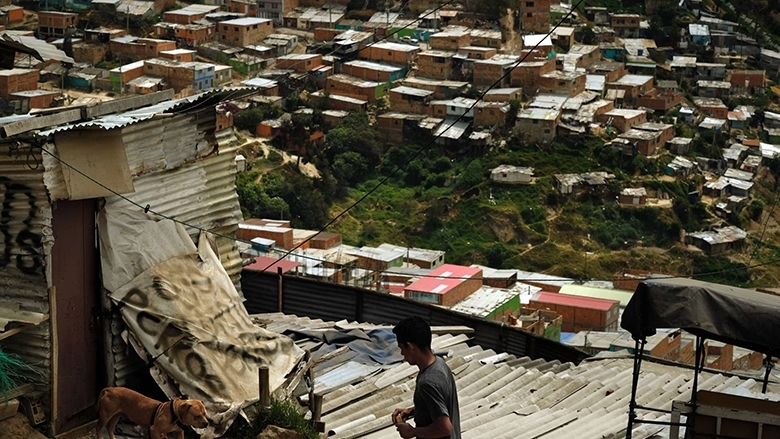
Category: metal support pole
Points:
column 768, row 365
column 265, row 391
column 697, row 367
column 639, row 347
column 279, row 291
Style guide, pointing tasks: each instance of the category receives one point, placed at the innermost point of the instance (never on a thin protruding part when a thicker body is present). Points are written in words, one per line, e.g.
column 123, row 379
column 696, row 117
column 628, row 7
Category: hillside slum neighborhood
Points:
column 90, row 152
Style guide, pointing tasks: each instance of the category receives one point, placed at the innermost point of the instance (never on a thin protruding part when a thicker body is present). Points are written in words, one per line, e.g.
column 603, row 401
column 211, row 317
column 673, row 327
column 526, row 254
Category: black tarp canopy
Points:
column 737, row 316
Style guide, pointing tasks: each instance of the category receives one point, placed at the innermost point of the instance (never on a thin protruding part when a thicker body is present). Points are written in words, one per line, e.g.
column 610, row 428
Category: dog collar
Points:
column 176, row 417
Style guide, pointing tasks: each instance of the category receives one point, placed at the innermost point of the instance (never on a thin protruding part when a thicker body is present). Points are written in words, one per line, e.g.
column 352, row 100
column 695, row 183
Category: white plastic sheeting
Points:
column 185, row 316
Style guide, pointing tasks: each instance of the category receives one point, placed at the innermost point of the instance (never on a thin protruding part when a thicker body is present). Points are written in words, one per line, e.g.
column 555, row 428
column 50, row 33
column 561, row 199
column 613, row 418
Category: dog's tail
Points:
column 100, row 398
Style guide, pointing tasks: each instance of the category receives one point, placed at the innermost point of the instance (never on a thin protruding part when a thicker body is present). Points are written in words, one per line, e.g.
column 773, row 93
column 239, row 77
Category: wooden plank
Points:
column 131, row 103
column 435, row 330
column 19, row 391
column 78, row 432
column 17, row 315
column 13, row 331
column 55, row 357
column 37, row 123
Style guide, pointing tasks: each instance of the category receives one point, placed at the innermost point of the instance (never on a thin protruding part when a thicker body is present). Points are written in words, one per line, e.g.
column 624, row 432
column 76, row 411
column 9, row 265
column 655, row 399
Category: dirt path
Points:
column 307, row 169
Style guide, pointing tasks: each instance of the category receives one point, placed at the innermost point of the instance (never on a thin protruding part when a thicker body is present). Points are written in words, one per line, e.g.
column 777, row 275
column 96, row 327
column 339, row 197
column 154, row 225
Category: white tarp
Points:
column 185, row 315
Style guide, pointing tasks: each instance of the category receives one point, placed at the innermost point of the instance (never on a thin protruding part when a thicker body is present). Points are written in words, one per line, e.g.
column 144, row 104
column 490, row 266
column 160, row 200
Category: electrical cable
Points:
column 147, row 209
column 384, row 38
column 436, row 137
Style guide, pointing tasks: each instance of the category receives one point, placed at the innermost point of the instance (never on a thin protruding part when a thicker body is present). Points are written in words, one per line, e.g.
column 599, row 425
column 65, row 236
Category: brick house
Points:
column 665, row 130
column 396, row 127
column 435, row 64
column 393, row 53
column 586, row 55
column 646, row 142
column 275, row 9
column 634, row 87
column 579, row 313
column 611, row 70
column 660, row 100
column 341, row 103
column 626, row 25
column 712, row 107
column 490, row 114
column 486, row 38
column 562, row 82
column 244, row 31
column 195, row 76
column 534, row 15
column 137, row 49
column 357, row 88
column 746, row 81
column 409, row 100
column 488, row 71
column 451, row 38
column 623, row 119
column 527, row 75
column 188, row 14
column 446, row 285
column 300, row 62
column 52, row 24
column 187, row 35
column 537, row 125
column 373, row 71
column 17, row 80
column 503, row 94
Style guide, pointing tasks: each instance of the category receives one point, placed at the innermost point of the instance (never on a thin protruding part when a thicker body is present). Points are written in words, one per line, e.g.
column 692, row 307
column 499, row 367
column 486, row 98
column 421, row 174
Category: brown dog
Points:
column 161, row 417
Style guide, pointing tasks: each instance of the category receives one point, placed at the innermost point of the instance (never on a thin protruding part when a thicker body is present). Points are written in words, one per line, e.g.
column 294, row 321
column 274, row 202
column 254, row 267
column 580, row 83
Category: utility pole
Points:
column 127, row 25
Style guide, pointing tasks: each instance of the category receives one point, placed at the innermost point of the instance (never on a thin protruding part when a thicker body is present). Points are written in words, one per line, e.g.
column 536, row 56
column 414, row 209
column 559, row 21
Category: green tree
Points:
column 663, row 24
column 249, row 118
column 472, row 175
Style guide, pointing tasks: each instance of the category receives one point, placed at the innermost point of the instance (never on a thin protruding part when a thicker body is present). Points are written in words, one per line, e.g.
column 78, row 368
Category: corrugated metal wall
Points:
column 25, row 245
column 189, row 174
column 327, row 301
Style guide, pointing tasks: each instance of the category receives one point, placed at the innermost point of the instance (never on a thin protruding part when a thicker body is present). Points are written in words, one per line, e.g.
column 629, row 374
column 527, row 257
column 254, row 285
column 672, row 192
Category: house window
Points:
column 529, row 4
column 261, row 5
column 224, row 28
column 424, row 297
column 235, row 28
column 389, row 53
column 536, row 121
column 529, row 15
column 274, row 6
column 254, row 27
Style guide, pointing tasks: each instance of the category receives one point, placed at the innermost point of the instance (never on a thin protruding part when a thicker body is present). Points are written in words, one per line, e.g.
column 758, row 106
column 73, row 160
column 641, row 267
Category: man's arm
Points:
column 441, row 427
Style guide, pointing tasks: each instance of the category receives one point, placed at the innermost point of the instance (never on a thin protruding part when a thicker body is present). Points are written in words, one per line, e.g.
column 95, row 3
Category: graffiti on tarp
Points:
column 27, row 243
column 180, row 309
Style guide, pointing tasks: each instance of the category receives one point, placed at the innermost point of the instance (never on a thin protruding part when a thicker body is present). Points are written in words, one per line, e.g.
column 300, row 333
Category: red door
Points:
column 76, row 287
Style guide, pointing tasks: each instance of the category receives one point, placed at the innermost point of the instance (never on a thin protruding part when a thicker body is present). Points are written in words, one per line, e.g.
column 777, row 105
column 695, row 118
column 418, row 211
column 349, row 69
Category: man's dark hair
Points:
column 414, row 330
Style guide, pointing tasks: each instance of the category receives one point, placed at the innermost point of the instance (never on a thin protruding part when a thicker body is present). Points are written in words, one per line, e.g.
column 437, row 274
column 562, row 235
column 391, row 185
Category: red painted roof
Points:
column 443, row 279
column 261, row 262
column 577, row 301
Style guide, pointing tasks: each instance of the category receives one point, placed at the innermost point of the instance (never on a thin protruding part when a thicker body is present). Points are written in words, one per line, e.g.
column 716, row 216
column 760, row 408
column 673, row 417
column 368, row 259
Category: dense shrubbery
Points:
column 249, row 118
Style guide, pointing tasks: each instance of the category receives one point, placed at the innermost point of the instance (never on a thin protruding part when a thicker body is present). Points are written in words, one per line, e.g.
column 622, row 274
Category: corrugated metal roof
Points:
column 597, row 293
column 515, row 398
column 121, row 120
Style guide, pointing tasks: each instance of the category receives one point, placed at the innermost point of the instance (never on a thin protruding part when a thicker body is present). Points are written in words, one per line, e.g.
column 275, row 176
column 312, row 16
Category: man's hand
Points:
column 405, row 430
column 400, row 415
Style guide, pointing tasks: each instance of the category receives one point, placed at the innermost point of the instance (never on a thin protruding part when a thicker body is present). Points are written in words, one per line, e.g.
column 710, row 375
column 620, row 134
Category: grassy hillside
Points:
column 533, row 227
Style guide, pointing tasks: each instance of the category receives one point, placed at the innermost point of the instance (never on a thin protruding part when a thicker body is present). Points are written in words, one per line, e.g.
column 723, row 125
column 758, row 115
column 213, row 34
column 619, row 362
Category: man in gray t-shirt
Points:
column 436, row 413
